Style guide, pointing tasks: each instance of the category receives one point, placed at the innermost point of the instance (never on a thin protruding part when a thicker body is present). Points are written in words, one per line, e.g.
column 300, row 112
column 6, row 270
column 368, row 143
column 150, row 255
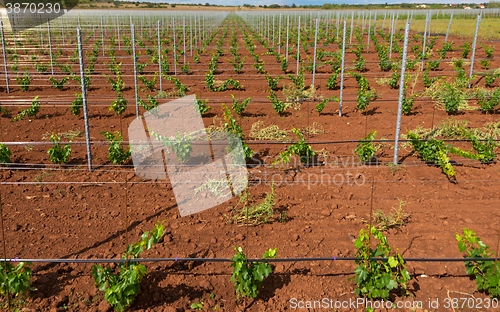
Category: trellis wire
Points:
column 327, row 24
column 142, row 25
column 273, row 32
column 50, row 49
column 279, row 36
column 310, row 22
column 196, row 32
column 268, row 36
column 478, row 22
column 84, row 99
column 264, row 181
column 102, row 38
column 149, row 24
column 424, row 40
column 134, row 57
column 6, row 68
column 287, row 32
column 93, row 30
column 351, row 28
column 190, row 35
column 341, row 89
column 392, row 35
column 203, row 29
column 449, row 27
column 175, row 47
column 134, row 41
column 159, row 55
column 262, row 26
column 41, row 35
column 184, row 37
column 342, row 71
column 298, row 46
column 429, row 25
column 338, row 26
column 315, row 44
column 401, row 93
column 369, row 31
column 118, row 32
column 4, row 247
column 316, row 73
column 363, row 22
column 359, row 18
column 62, row 31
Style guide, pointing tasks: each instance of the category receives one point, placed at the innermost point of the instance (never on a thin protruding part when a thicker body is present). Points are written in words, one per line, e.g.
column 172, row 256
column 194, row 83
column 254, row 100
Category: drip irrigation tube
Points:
column 177, row 259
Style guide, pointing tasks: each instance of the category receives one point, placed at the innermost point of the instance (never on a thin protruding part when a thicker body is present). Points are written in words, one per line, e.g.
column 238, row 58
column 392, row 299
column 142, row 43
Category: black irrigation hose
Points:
column 333, row 258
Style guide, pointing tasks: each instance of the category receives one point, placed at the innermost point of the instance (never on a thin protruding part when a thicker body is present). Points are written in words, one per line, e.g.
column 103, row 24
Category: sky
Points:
column 305, row 2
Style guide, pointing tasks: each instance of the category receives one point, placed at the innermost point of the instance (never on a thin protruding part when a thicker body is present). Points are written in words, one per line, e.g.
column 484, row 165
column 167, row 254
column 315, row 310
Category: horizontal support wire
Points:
column 27, row 102
column 99, row 183
column 252, row 142
column 336, row 165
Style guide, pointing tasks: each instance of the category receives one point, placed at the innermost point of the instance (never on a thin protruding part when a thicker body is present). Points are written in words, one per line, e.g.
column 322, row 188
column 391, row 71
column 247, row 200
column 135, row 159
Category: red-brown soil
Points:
column 66, row 211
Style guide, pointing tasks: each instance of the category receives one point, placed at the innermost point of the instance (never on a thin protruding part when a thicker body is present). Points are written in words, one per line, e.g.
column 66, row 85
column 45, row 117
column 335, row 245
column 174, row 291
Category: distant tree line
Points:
column 325, row 6
column 333, row 6
column 492, row 4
